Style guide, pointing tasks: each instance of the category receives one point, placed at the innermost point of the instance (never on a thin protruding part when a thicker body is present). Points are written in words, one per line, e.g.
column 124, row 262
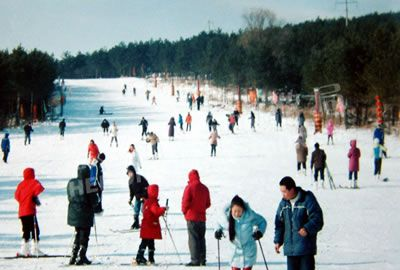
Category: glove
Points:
column 257, row 235
column 36, row 200
column 218, row 234
column 130, row 202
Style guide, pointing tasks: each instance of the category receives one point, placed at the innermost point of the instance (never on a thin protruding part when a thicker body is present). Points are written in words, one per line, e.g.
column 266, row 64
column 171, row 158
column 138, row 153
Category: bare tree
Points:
column 259, row 19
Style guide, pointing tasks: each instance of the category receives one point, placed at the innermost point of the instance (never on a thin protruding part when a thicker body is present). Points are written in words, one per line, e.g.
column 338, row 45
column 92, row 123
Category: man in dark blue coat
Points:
column 5, row 147
column 298, row 220
column 83, row 201
column 379, row 134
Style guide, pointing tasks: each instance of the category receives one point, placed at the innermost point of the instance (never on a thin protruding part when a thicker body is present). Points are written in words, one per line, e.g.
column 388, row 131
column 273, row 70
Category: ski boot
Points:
column 25, row 249
column 140, row 260
column 135, row 225
column 82, row 259
column 35, row 251
column 151, row 257
column 74, row 254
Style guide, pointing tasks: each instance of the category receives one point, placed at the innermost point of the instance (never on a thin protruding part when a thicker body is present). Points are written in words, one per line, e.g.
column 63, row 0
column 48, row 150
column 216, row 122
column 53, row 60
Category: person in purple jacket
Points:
column 354, row 164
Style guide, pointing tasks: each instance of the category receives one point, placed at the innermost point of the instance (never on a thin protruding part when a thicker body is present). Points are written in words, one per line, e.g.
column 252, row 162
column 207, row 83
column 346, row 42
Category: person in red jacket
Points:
column 195, row 201
column 93, row 151
column 26, row 195
column 150, row 228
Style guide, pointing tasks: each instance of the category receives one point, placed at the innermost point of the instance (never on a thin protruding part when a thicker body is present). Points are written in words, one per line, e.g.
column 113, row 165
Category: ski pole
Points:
column 219, row 258
column 35, row 226
column 172, row 240
column 262, row 252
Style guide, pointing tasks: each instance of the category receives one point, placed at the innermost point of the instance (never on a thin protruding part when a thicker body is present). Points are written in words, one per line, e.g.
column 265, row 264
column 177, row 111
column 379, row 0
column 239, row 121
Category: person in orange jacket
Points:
column 93, row 151
column 188, row 122
column 26, row 194
column 150, row 229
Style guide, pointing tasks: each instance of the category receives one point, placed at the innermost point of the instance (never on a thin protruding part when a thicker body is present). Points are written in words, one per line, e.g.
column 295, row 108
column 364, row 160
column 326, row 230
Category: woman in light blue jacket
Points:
column 245, row 227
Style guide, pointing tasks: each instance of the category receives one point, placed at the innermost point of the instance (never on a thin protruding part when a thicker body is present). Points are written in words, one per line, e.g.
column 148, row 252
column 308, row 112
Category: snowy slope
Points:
column 360, row 225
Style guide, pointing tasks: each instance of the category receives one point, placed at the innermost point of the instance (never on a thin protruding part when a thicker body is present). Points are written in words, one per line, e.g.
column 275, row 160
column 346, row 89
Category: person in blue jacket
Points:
column 180, row 121
column 298, row 220
column 245, row 227
column 5, row 147
column 379, row 134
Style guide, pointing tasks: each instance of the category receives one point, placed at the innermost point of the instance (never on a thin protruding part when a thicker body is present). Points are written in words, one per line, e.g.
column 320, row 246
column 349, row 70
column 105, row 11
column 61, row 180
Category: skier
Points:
column 302, row 131
column 171, row 129
column 195, row 202
column 252, row 121
column 330, row 127
column 180, row 121
column 245, row 227
column 96, row 180
column 101, row 111
column 27, row 196
column 5, row 147
column 198, row 101
column 153, row 101
column 214, row 124
column 213, row 142
column 298, row 220
column 124, row 90
column 105, row 125
column 188, row 121
column 153, row 139
column 93, row 151
column 134, row 158
column 231, row 120
column 114, row 134
column 301, row 153
column 318, row 159
column 378, row 153
column 236, row 114
column 28, row 130
column 278, row 118
column 82, row 202
column 150, row 229
column 144, row 125
column 209, row 120
column 354, row 163
column 147, row 94
column 301, row 119
column 178, row 95
column 62, row 126
column 190, row 101
column 379, row 134
column 138, row 190
column 134, row 91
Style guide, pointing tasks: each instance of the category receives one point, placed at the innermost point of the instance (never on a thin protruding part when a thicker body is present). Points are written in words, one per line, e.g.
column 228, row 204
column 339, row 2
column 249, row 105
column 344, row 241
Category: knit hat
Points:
column 101, row 157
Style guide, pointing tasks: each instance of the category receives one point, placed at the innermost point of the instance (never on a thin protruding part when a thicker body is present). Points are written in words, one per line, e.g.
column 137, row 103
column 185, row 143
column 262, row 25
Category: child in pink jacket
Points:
column 330, row 127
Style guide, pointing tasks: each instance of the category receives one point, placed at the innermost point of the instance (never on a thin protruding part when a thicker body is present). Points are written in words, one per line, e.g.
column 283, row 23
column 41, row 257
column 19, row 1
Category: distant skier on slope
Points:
column 134, row 158
column 153, row 139
column 144, row 125
column 114, row 134
column 105, row 125
column 171, row 130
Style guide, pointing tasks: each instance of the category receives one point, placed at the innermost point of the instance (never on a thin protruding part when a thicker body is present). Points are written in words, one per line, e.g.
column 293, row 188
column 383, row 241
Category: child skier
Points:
column 27, row 197
column 150, row 229
column 330, row 127
column 93, row 151
column 114, row 134
column 213, row 142
column 301, row 154
column 318, row 159
column 354, row 158
column 232, row 121
column 134, row 158
column 245, row 227
column 378, row 154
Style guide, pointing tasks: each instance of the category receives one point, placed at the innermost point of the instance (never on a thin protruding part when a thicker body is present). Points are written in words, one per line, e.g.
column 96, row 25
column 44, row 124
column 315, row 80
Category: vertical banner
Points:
column 317, row 114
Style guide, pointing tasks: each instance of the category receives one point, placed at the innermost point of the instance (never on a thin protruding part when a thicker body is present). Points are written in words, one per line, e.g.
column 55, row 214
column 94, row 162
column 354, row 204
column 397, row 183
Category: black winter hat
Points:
column 130, row 169
column 316, row 146
column 101, row 157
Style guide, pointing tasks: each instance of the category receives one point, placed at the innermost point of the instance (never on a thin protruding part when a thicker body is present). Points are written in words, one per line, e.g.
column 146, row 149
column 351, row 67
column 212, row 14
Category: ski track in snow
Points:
column 359, row 230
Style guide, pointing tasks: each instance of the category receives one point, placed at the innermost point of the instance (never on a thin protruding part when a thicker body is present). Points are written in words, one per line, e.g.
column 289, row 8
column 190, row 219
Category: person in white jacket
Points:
column 134, row 158
column 114, row 134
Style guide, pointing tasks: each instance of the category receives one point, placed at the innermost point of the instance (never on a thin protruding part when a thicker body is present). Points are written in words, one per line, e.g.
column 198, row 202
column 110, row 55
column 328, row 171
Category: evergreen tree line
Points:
column 363, row 57
column 26, row 82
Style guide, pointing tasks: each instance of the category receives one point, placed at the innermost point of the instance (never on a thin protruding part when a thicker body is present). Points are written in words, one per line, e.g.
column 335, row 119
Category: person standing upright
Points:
column 144, row 125
column 28, row 130
column 5, row 147
column 318, row 159
column 298, row 220
column 188, row 122
column 114, row 134
column 62, row 126
column 195, row 202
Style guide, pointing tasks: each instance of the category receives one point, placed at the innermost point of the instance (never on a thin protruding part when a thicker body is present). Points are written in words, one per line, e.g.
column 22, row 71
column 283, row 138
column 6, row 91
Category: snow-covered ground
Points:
column 360, row 225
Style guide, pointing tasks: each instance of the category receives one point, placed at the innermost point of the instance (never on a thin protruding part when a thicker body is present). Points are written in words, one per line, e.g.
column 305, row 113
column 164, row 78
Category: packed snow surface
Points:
column 360, row 230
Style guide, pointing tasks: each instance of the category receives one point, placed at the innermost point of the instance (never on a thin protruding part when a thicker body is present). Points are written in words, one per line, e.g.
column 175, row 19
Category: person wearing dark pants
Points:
column 197, row 241
column 138, row 191
column 5, row 147
column 318, row 159
column 28, row 130
column 27, row 194
column 298, row 220
column 195, row 202
column 83, row 200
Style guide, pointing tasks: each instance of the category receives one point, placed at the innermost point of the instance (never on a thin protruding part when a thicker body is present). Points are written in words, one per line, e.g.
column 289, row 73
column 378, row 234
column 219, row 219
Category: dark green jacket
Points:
column 81, row 203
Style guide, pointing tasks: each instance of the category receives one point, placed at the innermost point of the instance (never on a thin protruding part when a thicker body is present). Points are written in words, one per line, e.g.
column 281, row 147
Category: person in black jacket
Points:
column 318, row 159
column 62, row 126
column 28, row 130
column 138, row 190
column 105, row 125
column 144, row 125
column 83, row 200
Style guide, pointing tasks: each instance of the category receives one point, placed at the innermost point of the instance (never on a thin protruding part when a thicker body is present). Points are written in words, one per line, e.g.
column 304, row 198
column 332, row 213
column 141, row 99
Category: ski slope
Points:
column 360, row 225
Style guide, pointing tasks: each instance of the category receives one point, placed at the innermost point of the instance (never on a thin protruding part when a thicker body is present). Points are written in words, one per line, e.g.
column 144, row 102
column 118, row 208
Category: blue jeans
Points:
column 137, row 207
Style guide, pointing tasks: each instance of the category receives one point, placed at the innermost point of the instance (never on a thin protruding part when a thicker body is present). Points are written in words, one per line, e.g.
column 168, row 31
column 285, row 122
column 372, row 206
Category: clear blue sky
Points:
column 56, row 26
